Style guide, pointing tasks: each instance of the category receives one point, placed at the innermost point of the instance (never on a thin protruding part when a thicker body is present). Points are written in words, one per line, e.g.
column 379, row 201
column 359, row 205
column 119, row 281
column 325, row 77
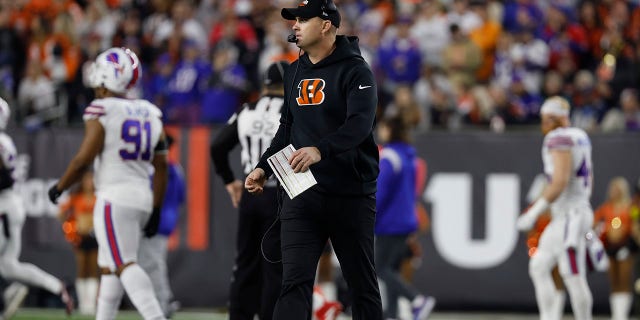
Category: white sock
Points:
column 558, row 303
column 545, row 293
column 91, row 293
column 109, row 297
column 140, row 290
column 417, row 301
column 81, row 293
column 620, row 303
column 580, row 296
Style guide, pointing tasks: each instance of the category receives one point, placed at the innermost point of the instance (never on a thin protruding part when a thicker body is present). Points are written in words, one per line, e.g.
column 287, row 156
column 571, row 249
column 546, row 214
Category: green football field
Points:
column 58, row 314
column 55, row 314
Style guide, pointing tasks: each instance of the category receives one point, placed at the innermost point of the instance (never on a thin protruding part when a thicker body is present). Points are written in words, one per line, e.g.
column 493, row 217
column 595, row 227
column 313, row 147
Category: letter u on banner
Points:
column 451, row 198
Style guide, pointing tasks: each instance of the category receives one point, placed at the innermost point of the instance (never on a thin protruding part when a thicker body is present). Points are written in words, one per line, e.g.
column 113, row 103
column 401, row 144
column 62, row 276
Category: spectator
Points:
column 504, row 113
column 459, row 14
column 129, row 30
column 11, row 55
column 226, row 85
column 77, row 217
column 158, row 16
column 503, row 65
column 64, row 59
column 553, row 85
column 183, row 23
column 99, row 22
column 405, row 106
column 625, row 118
column 520, row 14
column 276, row 46
column 588, row 17
column 461, row 59
column 186, row 86
column 612, row 221
column 157, row 83
column 567, row 40
column 242, row 34
column 524, row 105
column 232, row 28
column 619, row 67
column 36, row 96
column 434, row 93
column 396, row 219
column 399, row 57
column 530, row 57
column 588, row 106
column 485, row 36
column 432, row 29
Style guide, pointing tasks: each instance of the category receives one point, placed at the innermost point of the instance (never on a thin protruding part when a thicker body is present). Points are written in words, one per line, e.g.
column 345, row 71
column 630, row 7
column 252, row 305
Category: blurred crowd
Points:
column 450, row 64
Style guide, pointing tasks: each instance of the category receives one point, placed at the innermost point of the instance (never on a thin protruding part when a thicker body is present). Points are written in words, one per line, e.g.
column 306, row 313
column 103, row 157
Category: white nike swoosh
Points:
column 363, row 87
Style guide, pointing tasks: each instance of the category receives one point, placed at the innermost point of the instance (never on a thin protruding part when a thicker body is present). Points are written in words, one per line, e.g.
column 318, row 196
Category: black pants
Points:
column 256, row 282
column 390, row 251
column 307, row 222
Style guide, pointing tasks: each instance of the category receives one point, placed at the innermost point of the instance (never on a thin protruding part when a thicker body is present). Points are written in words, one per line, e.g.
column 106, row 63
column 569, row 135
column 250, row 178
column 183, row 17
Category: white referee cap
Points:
column 556, row 106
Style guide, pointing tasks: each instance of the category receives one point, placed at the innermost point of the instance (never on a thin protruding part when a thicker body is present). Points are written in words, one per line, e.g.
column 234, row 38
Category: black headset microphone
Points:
column 292, row 38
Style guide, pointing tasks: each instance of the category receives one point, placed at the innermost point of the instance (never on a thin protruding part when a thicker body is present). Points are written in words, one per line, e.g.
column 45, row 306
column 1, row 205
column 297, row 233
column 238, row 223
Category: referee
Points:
column 256, row 282
column 328, row 116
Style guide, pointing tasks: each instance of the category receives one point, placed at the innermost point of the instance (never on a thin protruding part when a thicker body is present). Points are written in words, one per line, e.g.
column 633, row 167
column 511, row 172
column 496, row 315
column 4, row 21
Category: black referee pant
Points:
column 307, row 222
column 256, row 283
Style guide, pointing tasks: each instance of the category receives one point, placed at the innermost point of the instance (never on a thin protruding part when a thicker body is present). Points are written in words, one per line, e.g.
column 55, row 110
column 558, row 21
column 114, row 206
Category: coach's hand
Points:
column 255, row 181
column 235, row 192
column 303, row 158
column 151, row 228
column 54, row 193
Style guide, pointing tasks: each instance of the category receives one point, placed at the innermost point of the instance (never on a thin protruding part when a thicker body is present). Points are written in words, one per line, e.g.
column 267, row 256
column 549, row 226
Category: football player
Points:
column 12, row 217
column 124, row 140
column 566, row 154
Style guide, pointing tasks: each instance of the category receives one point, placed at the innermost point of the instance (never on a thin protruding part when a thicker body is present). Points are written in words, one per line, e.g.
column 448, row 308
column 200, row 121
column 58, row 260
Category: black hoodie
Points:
column 331, row 105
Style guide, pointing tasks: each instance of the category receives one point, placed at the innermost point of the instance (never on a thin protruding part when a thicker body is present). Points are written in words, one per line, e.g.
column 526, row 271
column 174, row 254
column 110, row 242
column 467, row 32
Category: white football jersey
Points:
column 578, row 190
column 8, row 151
column 123, row 168
column 9, row 154
column 257, row 125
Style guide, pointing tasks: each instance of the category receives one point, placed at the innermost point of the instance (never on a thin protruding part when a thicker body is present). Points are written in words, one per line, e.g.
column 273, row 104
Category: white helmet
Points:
column 556, row 106
column 116, row 69
column 5, row 114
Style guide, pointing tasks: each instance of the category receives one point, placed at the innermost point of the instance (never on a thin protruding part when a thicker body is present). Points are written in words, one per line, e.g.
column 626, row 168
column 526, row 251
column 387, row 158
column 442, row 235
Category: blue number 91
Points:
column 132, row 134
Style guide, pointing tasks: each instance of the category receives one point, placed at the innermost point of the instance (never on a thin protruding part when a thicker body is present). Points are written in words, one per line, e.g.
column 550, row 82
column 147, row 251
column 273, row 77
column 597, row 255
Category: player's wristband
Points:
column 540, row 206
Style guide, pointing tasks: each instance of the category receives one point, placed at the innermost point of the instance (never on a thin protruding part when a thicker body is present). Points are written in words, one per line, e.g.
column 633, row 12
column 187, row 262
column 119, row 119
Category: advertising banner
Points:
column 476, row 186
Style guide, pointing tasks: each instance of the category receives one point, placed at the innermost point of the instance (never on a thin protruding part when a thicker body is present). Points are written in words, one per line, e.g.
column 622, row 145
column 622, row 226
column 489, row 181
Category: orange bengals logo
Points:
column 310, row 92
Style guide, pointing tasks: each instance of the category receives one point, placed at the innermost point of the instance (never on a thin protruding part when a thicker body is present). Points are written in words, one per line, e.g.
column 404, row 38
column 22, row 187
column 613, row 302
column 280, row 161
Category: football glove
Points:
column 54, row 193
column 526, row 221
column 151, row 228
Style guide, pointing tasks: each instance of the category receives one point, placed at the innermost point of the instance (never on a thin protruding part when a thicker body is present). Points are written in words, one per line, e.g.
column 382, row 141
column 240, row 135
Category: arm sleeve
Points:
column 221, row 146
column 362, row 101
